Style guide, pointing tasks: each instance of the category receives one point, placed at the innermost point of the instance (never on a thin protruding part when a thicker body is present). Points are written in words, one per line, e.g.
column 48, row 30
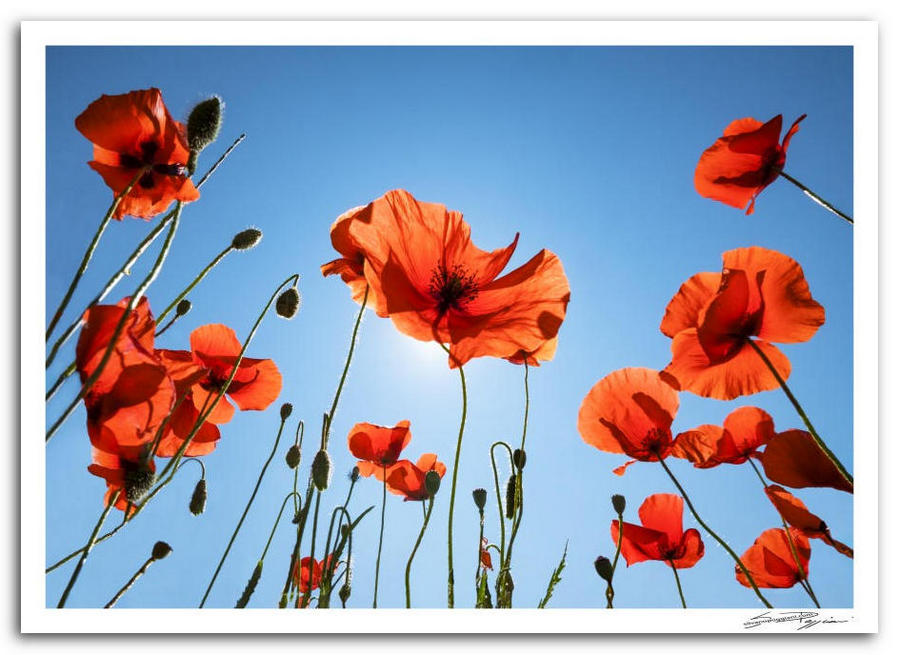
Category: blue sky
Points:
column 589, row 152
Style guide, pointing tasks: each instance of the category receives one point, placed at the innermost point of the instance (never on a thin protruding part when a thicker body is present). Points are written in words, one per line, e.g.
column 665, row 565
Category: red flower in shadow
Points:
column 771, row 562
column 660, row 536
column 793, row 458
column 134, row 133
column 743, row 161
column 744, row 431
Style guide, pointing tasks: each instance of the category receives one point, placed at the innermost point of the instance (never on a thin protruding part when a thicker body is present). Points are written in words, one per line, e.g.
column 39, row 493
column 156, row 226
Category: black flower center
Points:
column 452, row 288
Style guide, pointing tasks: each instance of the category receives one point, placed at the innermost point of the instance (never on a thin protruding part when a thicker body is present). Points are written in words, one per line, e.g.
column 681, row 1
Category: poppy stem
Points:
column 190, row 287
column 89, row 253
column 610, row 592
column 677, row 582
column 250, row 500
column 120, row 326
column 803, row 416
column 128, row 585
column 501, row 514
column 462, row 428
column 329, row 563
column 419, row 541
column 381, row 534
column 519, row 494
column 804, row 579
column 816, row 197
column 312, row 552
column 87, row 549
column 721, row 541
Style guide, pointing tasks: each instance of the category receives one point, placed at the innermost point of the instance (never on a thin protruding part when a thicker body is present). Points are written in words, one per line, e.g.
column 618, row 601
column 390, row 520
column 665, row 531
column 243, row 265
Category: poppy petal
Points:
column 683, row 311
column 263, row 388
column 690, row 551
column 663, row 513
column 770, row 560
column 793, row 458
column 639, row 544
column 748, row 429
column 699, row 446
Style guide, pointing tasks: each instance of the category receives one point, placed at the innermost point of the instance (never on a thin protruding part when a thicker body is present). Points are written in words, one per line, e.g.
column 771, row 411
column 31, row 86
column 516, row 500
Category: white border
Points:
column 35, row 617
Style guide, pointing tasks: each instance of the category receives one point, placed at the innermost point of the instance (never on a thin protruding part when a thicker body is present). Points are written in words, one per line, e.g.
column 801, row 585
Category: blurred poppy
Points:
column 760, row 293
column 486, row 555
column 405, row 478
column 794, row 459
column 377, row 444
column 630, row 411
column 745, row 430
column 660, row 535
column 134, row 133
column 185, row 373
column 303, row 581
column 771, row 562
column 424, row 272
column 743, row 161
column 794, row 512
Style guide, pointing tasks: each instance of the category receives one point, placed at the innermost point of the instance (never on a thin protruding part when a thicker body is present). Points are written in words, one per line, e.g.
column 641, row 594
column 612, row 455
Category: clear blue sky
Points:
column 589, row 152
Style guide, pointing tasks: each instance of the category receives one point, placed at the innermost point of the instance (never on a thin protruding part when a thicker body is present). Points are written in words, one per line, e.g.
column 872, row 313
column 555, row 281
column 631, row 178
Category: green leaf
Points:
column 555, row 579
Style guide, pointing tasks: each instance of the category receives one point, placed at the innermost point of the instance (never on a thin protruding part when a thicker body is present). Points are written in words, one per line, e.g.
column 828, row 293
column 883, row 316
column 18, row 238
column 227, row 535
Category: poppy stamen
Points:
column 452, row 288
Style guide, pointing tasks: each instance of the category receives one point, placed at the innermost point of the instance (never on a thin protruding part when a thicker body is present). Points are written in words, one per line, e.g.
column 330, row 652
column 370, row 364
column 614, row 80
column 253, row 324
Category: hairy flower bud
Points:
column 354, row 474
column 246, row 239
column 344, row 593
column 618, row 503
column 288, row 303
column 519, row 458
column 480, row 497
column 203, row 123
column 604, row 568
column 286, row 410
column 432, row 483
column 198, row 498
column 183, row 307
column 138, row 480
column 511, row 496
column 293, row 457
column 321, row 470
column 161, row 550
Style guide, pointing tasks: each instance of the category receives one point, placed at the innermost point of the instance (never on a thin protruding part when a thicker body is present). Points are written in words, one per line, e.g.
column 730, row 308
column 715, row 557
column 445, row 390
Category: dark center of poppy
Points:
column 452, row 288
column 148, row 151
column 656, row 440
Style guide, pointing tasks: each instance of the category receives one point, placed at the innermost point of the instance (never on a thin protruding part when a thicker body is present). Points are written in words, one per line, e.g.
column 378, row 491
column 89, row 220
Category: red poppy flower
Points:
column 256, row 384
column 486, row 555
column 743, row 161
column 544, row 353
column 760, row 293
column 794, row 512
column 126, row 469
column 745, row 430
column 771, row 561
column 630, row 411
column 378, row 444
column 426, row 274
column 405, row 478
column 793, row 458
column 303, row 581
column 134, row 132
column 185, row 373
column 660, row 535
column 133, row 394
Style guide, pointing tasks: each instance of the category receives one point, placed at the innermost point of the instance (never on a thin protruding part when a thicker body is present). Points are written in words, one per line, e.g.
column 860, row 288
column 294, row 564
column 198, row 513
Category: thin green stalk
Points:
column 678, row 583
column 340, row 387
column 462, row 427
column 128, row 585
column 715, row 536
column 197, row 280
column 502, row 514
column 87, row 548
column 519, row 493
column 85, row 260
column 416, row 547
column 312, row 550
column 803, row 416
column 237, row 528
column 610, row 592
column 816, row 197
column 381, row 533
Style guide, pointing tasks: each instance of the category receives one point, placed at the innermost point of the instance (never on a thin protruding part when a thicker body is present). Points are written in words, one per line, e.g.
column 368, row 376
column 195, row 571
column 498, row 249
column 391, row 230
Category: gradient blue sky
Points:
column 589, row 152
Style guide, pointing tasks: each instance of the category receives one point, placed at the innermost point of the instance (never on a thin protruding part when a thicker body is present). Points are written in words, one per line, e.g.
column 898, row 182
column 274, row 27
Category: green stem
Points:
column 190, row 287
column 610, row 592
column 85, row 260
column 381, row 533
column 337, row 394
column 803, row 416
column 519, row 493
column 237, row 528
column 416, row 547
column 462, row 427
column 721, row 541
column 816, row 197
column 501, row 513
column 678, row 583
column 312, row 551
column 87, row 548
column 128, row 585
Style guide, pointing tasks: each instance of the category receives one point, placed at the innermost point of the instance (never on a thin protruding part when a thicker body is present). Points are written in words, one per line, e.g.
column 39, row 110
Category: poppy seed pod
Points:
column 432, row 483
column 246, row 239
column 618, row 503
column 286, row 410
column 198, row 498
column 480, row 497
column 511, row 496
column 293, row 457
column 519, row 458
column 604, row 568
column 321, row 470
column 161, row 550
column 288, row 303
column 183, row 307
column 203, row 123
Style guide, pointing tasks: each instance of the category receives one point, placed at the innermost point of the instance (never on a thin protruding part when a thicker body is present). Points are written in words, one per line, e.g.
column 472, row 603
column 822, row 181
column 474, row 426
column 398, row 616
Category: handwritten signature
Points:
column 805, row 620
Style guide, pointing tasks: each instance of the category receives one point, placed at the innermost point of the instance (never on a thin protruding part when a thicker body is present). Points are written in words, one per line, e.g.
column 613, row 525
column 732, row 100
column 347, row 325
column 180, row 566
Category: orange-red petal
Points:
column 795, row 513
column 378, row 444
column 684, row 310
column 794, row 459
column 770, row 560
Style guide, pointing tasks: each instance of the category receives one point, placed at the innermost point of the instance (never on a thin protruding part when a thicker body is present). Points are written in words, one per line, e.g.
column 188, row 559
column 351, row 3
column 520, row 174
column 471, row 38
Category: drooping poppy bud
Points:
column 286, row 410
column 203, row 123
column 161, row 550
column 293, row 457
column 138, row 481
column 511, row 496
column 604, row 568
column 432, row 483
column 183, row 307
column 519, row 458
column 344, row 593
column 198, row 498
column 354, row 474
column 321, row 470
column 288, row 303
column 246, row 239
column 618, row 503
column 480, row 497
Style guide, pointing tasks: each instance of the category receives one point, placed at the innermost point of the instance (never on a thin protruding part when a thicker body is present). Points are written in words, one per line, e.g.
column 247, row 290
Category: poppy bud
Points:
column 288, row 303
column 297, row 517
column 198, row 498
column 321, row 470
column 344, row 593
column 604, row 568
column 511, row 496
column 183, row 307
column 345, row 530
column 618, row 503
column 293, row 457
column 203, row 123
column 480, row 497
column 161, row 550
column 432, row 483
column 246, row 239
column 519, row 458
column 286, row 410
column 354, row 474
column 138, row 481
column 251, row 586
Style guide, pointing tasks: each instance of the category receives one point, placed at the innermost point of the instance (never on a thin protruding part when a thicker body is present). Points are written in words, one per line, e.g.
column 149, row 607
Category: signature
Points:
column 805, row 620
